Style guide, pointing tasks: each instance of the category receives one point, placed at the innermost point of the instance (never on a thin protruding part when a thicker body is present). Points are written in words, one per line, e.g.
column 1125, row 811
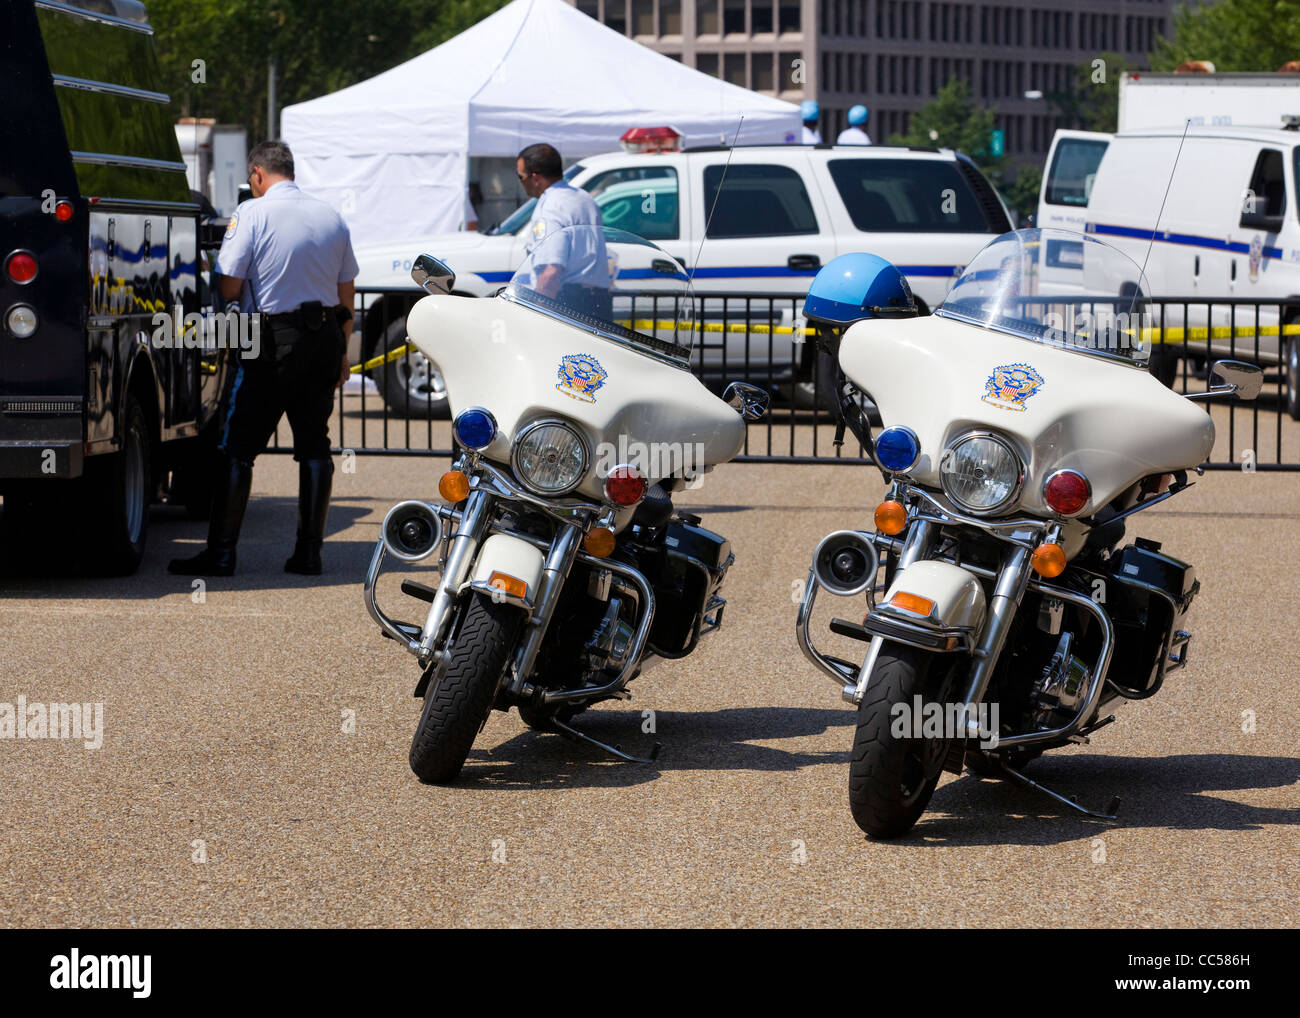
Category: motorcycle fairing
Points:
column 1113, row 422
column 512, row 360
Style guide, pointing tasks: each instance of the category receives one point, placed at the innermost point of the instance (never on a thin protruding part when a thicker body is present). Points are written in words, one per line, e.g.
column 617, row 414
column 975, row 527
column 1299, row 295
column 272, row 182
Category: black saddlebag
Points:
column 1147, row 597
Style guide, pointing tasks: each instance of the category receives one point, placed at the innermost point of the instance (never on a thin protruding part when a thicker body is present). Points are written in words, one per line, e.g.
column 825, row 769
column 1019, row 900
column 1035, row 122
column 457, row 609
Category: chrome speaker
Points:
column 412, row 530
column 845, row 562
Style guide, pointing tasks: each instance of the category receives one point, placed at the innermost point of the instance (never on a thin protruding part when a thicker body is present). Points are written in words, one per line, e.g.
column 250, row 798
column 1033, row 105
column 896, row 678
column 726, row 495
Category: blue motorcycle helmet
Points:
column 857, row 286
column 810, row 111
column 858, row 116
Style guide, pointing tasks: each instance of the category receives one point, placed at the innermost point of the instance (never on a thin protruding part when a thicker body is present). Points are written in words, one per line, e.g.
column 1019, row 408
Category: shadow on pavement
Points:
column 1173, row 792
column 49, row 563
column 713, row 740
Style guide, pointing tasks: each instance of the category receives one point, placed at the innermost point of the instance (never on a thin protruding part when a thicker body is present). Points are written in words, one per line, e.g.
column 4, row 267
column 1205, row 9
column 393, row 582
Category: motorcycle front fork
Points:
column 1008, row 591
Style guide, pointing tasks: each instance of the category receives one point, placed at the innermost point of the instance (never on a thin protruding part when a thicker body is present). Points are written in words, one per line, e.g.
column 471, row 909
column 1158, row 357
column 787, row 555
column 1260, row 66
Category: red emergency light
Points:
column 651, row 139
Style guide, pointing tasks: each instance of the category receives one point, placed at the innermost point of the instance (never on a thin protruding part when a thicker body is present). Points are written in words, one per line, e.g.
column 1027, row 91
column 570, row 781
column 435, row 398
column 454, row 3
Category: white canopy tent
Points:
column 391, row 153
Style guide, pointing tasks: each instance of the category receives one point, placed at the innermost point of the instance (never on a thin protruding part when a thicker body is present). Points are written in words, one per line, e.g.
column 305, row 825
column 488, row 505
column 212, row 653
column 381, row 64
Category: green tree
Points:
column 320, row 46
column 954, row 120
column 1091, row 99
column 1237, row 35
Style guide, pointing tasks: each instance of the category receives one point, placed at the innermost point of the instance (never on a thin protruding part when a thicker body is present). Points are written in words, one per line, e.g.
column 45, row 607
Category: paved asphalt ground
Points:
column 224, row 736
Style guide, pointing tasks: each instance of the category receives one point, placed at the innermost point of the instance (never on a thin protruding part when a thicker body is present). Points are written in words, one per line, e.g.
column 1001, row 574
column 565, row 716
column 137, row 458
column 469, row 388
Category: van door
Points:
column 1257, row 268
column 1072, row 164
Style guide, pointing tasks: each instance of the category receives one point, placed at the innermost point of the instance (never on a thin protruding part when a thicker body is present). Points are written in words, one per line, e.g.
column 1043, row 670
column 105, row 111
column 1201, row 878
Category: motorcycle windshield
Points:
column 611, row 283
column 1057, row 288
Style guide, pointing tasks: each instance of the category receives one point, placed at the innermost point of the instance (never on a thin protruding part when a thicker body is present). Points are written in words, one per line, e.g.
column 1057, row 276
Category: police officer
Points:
column 811, row 113
column 287, row 256
column 855, row 133
column 569, row 265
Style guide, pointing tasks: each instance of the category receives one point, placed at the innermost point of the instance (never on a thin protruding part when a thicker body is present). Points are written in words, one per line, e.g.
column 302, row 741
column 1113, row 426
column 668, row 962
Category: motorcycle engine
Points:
column 1061, row 687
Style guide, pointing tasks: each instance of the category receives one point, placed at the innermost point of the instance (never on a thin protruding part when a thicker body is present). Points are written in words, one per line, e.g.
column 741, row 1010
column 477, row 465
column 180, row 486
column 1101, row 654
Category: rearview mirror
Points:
column 432, row 275
column 747, row 400
column 1239, row 378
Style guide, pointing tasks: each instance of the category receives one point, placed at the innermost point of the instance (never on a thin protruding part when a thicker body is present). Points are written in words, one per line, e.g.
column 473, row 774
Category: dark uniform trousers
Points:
column 296, row 374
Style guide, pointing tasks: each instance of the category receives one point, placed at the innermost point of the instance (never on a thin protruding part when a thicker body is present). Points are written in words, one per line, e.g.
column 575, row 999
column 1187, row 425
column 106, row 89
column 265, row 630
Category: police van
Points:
column 1228, row 226
column 99, row 242
column 779, row 213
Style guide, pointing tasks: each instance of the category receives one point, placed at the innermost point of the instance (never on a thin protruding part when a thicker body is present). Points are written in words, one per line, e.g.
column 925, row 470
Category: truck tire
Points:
column 411, row 385
column 891, row 779
column 119, row 494
column 457, row 703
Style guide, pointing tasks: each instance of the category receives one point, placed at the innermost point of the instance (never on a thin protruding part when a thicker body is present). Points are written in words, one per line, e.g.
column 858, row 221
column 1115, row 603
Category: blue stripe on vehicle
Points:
column 1183, row 239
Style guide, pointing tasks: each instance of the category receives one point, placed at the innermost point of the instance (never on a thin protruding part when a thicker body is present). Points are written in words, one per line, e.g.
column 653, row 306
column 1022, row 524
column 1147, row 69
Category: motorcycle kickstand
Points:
column 573, row 734
column 1015, row 777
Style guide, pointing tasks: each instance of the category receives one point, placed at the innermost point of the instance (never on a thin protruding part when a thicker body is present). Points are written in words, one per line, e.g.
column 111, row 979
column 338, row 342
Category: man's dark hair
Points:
column 543, row 159
column 272, row 156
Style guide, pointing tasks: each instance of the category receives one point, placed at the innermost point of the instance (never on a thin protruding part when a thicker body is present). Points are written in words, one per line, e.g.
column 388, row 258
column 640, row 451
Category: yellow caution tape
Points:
column 397, row 353
column 1177, row 334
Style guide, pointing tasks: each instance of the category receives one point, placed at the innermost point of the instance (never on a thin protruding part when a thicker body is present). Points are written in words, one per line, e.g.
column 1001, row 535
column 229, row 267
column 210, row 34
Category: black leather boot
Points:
column 229, row 500
column 315, row 478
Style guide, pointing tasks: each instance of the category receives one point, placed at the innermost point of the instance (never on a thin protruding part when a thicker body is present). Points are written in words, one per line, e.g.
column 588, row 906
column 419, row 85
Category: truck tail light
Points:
column 20, row 267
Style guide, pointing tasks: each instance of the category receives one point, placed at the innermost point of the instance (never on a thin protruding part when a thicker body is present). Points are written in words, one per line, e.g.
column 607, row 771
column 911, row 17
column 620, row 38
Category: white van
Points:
column 1229, row 228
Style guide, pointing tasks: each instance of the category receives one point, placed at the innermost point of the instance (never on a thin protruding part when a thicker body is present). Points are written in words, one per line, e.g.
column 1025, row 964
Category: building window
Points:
column 764, row 79
column 733, row 17
column 643, row 17
column 670, row 17
column 733, row 69
column 591, row 8
column 789, row 16
column 707, row 15
column 786, row 65
column 762, row 17
column 616, row 16
column 707, row 63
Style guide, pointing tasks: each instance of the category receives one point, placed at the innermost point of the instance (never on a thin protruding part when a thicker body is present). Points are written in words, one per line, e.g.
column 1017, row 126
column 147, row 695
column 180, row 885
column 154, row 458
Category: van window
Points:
column 1267, row 193
column 640, row 200
column 1074, row 168
column 897, row 195
column 757, row 201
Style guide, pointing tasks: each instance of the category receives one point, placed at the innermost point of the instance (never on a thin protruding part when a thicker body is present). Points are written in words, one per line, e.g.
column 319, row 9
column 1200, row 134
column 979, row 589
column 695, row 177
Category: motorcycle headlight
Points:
column 981, row 473
column 549, row 457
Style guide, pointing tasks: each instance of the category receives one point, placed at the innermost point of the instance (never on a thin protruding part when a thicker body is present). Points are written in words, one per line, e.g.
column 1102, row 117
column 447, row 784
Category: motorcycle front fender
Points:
column 505, row 562
column 931, row 605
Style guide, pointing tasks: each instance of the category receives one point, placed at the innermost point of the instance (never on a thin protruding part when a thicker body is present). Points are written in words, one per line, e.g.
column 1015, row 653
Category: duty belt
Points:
column 309, row 316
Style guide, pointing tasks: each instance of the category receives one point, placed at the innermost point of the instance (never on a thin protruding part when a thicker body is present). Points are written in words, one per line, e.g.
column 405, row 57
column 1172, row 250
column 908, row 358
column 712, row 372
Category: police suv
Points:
column 778, row 214
column 99, row 243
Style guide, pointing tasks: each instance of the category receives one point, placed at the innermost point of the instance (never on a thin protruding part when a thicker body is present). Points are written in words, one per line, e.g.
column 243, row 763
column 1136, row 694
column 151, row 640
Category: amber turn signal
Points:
column 599, row 542
column 511, row 585
column 453, row 486
column 1048, row 560
column 891, row 517
column 913, row 603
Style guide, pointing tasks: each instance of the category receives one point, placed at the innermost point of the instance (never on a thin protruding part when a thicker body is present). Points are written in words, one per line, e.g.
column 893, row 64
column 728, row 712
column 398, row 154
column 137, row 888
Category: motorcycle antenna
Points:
column 716, row 195
column 1168, row 185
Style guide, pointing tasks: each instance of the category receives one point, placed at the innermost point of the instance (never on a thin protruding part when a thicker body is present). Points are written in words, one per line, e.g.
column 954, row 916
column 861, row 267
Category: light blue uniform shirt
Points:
column 292, row 248
column 581, row 252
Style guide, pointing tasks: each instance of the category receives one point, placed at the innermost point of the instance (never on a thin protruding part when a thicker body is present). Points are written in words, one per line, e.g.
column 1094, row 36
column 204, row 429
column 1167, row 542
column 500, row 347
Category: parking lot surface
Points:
column 253, row 766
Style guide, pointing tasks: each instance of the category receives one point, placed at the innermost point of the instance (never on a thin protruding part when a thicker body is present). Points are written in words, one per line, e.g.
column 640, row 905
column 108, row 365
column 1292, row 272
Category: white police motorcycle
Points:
column 564, row 568
column 1021, row 429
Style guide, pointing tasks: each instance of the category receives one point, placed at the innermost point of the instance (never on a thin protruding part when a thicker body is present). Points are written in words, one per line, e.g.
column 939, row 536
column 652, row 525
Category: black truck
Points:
column 102, row 411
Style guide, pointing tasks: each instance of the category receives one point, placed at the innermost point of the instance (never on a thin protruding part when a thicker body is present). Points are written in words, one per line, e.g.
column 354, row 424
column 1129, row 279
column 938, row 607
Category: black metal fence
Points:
column 396, row 405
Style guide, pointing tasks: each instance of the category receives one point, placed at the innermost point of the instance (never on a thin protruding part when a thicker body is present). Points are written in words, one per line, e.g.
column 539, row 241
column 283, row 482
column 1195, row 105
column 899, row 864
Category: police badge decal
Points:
column 580, row 376
column 1011, row 385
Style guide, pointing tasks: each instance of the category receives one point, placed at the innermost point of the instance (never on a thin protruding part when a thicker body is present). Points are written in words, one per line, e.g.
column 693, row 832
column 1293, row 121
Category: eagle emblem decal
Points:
column 1011, row 385
column 580, row 376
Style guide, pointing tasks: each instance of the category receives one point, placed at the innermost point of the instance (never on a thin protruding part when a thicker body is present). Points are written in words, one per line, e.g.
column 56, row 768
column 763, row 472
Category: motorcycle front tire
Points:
column 891, row 778
column 458, row 703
